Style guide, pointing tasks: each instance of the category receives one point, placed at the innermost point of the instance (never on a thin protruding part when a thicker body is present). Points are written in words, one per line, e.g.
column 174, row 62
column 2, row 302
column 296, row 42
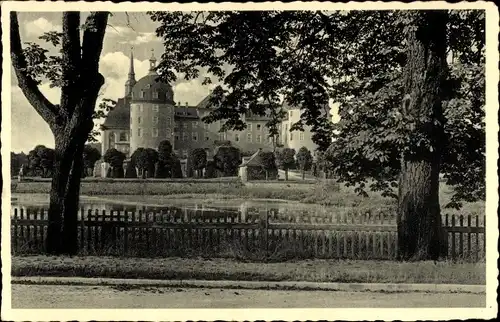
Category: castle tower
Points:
column 129, row 84
column 151, row 111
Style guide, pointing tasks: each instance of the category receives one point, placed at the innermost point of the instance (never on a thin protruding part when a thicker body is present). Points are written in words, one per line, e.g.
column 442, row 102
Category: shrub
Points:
column 227, row 160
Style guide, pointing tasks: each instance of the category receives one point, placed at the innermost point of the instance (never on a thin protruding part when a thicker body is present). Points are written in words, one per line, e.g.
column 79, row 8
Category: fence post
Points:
column 264, row 224
column 453, row 241
column 484, row 239
column 469, row 224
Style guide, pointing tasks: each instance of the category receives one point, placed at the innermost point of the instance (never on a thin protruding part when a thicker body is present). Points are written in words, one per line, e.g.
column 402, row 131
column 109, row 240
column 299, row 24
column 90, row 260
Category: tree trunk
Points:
column 420, row 233
column 286, row 174
column 63, row 164
column 303, row 174
column 71, row 203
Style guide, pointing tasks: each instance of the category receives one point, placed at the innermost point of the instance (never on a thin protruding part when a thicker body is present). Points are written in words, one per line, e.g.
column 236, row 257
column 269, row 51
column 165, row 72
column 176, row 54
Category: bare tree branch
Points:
column 48, row 111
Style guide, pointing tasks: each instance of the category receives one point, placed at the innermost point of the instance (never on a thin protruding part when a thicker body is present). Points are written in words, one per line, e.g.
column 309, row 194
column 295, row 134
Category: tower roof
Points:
column 119, row 117
column 131, row 71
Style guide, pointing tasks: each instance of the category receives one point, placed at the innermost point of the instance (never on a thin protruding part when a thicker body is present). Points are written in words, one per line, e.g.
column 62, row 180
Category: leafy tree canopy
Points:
column 354, row 58
column 285, row 158
column 90, row 156
column 227, row 160
column 304, row 159
column 114, row 157
column 199, row 158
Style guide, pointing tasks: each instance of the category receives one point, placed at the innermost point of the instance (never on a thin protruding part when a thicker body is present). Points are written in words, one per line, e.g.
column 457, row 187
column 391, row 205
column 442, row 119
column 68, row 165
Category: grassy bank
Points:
column 321, row 193
column 223, row 269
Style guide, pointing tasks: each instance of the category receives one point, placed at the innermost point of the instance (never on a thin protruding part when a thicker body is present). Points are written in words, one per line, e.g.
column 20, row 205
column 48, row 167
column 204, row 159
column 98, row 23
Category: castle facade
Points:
column 148, row 114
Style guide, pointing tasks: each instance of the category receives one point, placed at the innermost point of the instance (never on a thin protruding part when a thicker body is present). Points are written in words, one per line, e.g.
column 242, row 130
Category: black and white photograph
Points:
column 244, row 161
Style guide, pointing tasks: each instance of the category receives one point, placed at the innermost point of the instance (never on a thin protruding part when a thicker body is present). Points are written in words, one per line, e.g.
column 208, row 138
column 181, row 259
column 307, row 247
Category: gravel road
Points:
column 63, row 296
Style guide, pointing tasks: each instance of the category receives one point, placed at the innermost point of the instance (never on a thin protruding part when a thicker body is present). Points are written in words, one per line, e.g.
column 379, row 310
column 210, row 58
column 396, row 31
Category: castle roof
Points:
column 144, row 89
column 119, row 117
column 254, row 161
column 205, row 103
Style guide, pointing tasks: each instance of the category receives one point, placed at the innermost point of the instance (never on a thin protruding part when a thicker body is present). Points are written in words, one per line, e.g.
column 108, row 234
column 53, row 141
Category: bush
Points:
column 210, row 171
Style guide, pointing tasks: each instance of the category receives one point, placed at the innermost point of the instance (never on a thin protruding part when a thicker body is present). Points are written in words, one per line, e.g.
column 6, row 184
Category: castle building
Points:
column 148, row 114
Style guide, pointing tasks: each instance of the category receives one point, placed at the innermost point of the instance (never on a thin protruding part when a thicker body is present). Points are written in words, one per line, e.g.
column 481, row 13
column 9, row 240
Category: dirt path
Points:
column 56, row 296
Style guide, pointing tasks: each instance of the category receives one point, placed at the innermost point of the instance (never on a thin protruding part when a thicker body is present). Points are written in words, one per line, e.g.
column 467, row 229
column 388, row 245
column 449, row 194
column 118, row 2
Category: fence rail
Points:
column 178, row 232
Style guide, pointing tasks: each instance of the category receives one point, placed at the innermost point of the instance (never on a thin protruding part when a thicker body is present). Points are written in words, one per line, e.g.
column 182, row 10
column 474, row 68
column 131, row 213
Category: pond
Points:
column 231, row 209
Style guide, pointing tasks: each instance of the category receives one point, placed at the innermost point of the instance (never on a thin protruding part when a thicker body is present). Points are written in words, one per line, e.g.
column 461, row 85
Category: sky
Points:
column 123, row 32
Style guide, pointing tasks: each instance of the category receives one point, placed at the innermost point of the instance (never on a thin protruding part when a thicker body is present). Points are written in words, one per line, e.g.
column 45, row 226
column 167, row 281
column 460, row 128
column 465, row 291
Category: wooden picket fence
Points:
column 181, row 232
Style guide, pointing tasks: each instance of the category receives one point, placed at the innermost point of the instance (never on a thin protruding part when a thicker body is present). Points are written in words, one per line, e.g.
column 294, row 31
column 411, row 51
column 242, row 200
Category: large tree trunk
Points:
column 420, row 233
column 71, row 120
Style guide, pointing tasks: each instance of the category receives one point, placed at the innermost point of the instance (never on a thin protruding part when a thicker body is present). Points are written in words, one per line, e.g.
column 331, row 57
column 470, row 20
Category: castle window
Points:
column 291, row 136
column 156, row 108
column 155, row 94
column 123, row 136
column 169, row 120
column 139, row 132
column 141, row 108
column 259, row 127
column 249, row 127
column 155, row 132
column 195, row 136
column 270, row 139
column 143, row 94
column 176, row 136
column 301, row 136
column 139, row 120
column 249, row 137
column 257, row 139
column 206, row 126
column 291, row 113
column 207, row 138
column 185, row 125
column 184, row 136
column 155, row 119
column 237, row 137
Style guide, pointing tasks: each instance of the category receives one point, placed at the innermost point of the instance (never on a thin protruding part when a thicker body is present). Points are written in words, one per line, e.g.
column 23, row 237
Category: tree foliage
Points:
column 355, row 58
column 285, row 159
column 198, row 160
column 227, row 160
column 115, row 159
column 41, row 161
column 18, row 160
column 304, row 160
column 165, row 160
column 268, row 162
column 90, row 156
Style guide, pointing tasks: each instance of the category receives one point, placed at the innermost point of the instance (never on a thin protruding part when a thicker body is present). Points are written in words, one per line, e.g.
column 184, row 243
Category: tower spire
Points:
column 131, row 72
column 129, row 84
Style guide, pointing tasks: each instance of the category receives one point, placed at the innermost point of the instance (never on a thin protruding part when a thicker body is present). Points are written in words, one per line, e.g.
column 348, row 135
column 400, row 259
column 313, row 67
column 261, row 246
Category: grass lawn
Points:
column 225, row 269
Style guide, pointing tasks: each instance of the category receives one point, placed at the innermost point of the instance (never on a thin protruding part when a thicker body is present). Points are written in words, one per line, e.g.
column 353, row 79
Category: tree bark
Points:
column 286, row 174
column 420, row 232
column 71, row 121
